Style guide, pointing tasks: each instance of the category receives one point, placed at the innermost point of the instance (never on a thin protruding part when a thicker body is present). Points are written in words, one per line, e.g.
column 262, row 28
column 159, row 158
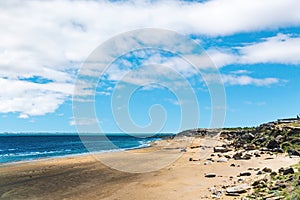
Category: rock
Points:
column 278, row 138
column 238, row 156
column 210, row 175
column 238, row 189
column 190, row 159
column 240, row 180
column 293, row 152
column 222, row 160
column 281, row 184
column 272, row 144
column 233, row 194
column 257, row 154
column 267, row 170
column 273, row 174
column 232, row 165
column 287, row 171
column 249, row 147
column 247, row 156
column 260, row 140
column 183, row 150
column 220, row 150
column 245, row 174
column 259, row 173
column 227, row 156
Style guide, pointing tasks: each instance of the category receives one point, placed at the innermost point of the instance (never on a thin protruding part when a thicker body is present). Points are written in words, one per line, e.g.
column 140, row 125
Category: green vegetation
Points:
column 293, row 191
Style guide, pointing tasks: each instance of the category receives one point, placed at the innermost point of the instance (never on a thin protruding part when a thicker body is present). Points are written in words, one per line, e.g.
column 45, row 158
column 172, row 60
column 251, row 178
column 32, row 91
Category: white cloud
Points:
column 31, row 99
column 231, row 79
column 281, row 49
column 50, row 39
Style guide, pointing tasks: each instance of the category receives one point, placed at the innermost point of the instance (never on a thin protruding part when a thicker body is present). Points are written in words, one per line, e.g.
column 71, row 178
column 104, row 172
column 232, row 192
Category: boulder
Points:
column 272, row 144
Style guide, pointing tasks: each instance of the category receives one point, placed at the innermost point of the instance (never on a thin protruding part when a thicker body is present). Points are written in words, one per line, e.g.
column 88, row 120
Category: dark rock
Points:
column 273, row 174
column 210, row 175
column 257, row 154
column 293, row 152
column 272, row 144
column 190, row 159
column 245, row 174
column 259, row 173
column 260, row 140
column 287, row 171
column 247, row 157
column 232, row 165
column 249, row 147
column 281, row 184
column 227, row 156
column 238, row 156
column 266, row 169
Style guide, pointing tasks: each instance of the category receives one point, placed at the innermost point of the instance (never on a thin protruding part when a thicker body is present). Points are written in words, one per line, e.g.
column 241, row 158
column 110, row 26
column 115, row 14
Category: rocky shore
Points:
column 267, row 141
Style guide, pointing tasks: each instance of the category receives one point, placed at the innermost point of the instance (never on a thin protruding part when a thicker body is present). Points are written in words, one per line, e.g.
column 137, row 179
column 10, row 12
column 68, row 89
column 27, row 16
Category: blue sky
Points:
column 255, row 46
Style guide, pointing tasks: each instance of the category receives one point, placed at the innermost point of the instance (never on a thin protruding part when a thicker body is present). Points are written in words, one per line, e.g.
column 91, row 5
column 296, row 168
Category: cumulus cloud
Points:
column 50, row 39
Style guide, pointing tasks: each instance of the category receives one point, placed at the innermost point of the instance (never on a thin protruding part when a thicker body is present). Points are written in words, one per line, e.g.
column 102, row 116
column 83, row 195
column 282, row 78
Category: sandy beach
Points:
column 85, row 177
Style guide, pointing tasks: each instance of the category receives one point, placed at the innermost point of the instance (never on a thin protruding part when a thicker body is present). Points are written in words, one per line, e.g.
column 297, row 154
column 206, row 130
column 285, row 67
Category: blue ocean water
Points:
column 24, row 147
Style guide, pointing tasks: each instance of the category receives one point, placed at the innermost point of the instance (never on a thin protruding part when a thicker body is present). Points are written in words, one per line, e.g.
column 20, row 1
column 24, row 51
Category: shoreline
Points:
column 74, row 155
column 146, row 145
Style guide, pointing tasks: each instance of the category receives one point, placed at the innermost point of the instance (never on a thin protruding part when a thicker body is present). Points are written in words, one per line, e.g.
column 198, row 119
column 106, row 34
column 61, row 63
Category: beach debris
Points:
column 210, row 175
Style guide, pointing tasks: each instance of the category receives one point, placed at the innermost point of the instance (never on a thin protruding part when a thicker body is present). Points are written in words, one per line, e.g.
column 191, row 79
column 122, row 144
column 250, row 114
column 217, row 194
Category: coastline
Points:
column 83, row 176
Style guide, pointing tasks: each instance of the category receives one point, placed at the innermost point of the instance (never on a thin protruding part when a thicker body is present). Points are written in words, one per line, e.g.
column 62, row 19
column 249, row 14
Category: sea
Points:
column 26, row 147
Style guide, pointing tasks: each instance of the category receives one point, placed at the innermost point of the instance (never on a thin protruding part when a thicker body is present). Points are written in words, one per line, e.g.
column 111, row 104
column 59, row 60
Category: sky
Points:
column 254, row 46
